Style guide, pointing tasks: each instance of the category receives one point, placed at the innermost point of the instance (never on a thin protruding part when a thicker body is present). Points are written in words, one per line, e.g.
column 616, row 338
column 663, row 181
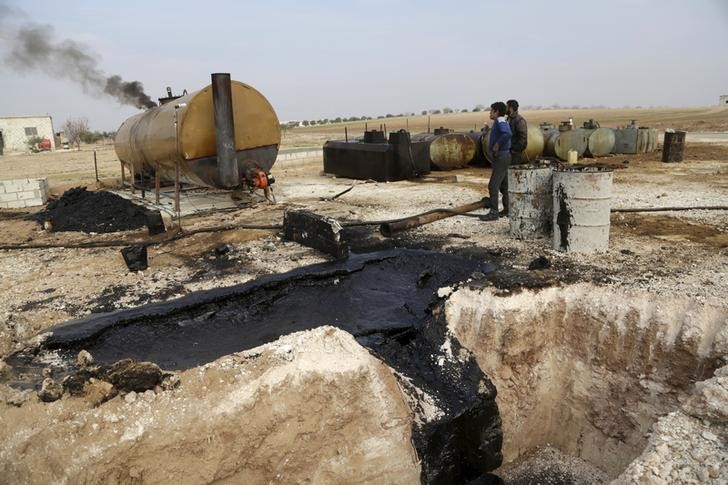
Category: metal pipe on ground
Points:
column 387, row 229
column 222, row 101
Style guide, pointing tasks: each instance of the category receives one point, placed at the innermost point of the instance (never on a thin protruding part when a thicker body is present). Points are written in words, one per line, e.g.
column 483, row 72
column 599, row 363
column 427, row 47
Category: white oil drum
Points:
column 581, row 206
column 530, row 200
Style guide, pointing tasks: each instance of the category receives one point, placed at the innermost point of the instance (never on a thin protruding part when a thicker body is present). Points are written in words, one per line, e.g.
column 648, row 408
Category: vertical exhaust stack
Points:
column 222, row 104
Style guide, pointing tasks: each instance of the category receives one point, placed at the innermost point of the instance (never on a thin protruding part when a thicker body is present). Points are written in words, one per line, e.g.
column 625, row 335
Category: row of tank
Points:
column 449, row 150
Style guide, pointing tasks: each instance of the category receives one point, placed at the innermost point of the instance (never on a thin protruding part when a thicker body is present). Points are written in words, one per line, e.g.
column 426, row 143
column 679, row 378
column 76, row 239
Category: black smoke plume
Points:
column 32, row 47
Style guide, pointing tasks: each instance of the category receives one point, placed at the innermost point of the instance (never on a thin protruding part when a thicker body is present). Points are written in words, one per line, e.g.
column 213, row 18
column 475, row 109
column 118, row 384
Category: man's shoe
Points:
column 490, row 216
column 503, row 213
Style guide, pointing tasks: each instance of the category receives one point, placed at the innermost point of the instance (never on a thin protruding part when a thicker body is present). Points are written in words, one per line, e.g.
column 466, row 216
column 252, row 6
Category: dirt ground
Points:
column 679, row 255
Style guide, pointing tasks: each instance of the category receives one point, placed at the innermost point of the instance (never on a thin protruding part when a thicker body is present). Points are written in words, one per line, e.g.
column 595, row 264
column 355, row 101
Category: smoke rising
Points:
column 32, row 48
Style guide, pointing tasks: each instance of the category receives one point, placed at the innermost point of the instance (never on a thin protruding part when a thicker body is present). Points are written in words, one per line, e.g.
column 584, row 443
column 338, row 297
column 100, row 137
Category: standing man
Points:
column 519, row 129
column 499, row 144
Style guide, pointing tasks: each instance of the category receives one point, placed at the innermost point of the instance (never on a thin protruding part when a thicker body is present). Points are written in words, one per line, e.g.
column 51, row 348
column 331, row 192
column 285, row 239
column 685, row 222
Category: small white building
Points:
column 15, row 131
column 723, row 101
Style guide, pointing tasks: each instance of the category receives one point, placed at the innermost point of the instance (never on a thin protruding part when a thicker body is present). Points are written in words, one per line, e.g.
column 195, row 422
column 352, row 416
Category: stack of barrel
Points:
column 569, row 204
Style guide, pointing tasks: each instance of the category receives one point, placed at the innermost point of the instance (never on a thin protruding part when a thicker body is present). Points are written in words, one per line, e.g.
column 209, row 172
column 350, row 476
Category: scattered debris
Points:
column 542, row 262
column 135, row 257
column 128, row 375
column 84, row 359
column 97, row 392
column 319, row 232
column 50, row 391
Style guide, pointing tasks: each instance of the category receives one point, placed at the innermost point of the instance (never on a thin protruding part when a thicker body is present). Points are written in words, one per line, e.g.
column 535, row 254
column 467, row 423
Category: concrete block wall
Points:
column 18, row 193
column 299, row 154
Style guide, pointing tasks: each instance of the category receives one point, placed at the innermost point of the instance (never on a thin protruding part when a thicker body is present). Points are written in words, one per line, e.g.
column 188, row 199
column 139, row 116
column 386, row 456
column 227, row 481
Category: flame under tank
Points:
column 148, row 141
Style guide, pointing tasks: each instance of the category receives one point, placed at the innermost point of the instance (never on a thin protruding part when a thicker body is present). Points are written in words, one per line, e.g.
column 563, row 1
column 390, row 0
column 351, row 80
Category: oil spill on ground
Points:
column 364, row 239
column 386, row 291
column 111, row 295
column 387, row 300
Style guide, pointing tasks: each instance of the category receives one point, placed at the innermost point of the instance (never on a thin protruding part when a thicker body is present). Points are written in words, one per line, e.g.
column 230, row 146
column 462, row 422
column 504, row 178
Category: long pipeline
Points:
column 389, row 228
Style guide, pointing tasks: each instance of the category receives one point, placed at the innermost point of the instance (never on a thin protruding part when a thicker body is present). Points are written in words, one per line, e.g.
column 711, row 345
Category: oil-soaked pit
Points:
column 387, row 292
column 584, row 369
column 388, row 300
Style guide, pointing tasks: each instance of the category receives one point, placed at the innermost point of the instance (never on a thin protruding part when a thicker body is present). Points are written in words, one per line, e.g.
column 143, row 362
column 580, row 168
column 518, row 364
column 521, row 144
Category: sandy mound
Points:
column 313, row 404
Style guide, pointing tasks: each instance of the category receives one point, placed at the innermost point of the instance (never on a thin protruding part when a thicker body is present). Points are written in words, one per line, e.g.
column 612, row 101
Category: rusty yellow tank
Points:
column 183, row 131
column 448, row 151
column 534, row 144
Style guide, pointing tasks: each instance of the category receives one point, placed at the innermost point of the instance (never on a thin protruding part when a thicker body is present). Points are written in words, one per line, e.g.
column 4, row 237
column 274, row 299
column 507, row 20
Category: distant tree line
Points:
column 439, row 111
column 325, row 121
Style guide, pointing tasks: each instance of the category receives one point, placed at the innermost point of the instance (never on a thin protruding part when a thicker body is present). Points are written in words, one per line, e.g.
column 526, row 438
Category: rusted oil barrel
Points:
column 581, row 204
column 600, row 142
column 183, row 131
column 448, row 151
column 558, row 143
column 530, row 201
column 672, row 147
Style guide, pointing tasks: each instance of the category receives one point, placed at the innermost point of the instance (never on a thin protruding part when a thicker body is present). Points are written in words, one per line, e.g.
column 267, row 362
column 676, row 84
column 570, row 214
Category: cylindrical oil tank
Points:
column 600, row 142
column 535, row 146
column 581, row 204
column 646, row 140
column 448, row 151
column 530, row 206
column 558, row 143
column 183, row 131
column 625, row 139
column 477, row 137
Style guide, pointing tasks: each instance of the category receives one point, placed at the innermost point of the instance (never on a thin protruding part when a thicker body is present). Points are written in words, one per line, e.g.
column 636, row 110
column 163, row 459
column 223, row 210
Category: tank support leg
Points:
column 131, row 169
column 176, row 195
column 156, row 186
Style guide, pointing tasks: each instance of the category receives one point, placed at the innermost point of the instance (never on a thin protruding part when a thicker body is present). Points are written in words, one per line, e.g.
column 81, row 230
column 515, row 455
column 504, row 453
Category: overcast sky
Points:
column 321, row 59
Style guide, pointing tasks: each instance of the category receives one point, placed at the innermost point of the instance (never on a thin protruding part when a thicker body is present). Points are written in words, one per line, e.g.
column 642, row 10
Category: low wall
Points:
column 298, row 154
column 20, row 193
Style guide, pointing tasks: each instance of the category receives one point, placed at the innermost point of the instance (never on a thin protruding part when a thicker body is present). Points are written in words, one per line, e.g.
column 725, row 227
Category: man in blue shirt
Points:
column 499, row 144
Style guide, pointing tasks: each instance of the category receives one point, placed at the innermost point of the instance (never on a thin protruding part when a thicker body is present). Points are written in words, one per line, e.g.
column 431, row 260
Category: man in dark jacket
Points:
column 519, row 130
column 499, row 144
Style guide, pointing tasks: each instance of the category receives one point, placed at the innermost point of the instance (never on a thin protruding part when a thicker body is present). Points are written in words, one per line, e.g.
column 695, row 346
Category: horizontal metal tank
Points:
column 646, row 140
column 559, row 142
column 530, row 201
column 600, row 142
column 632, row 139
column 184, row 131
column 477, row 137
column 449, row 150
column 534, row 146
column 581, row 203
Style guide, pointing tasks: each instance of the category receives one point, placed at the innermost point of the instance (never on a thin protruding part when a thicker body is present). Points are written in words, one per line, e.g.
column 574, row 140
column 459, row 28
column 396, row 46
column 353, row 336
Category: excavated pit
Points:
column 388, row 301
column 587, row 370
column 582, row 372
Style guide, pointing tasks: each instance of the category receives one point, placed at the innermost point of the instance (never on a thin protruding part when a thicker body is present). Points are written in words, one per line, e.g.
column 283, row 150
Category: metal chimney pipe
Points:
column 222, row 104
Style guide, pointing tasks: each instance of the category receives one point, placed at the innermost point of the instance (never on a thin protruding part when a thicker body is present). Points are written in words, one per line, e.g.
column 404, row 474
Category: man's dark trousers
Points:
column 499, row 180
